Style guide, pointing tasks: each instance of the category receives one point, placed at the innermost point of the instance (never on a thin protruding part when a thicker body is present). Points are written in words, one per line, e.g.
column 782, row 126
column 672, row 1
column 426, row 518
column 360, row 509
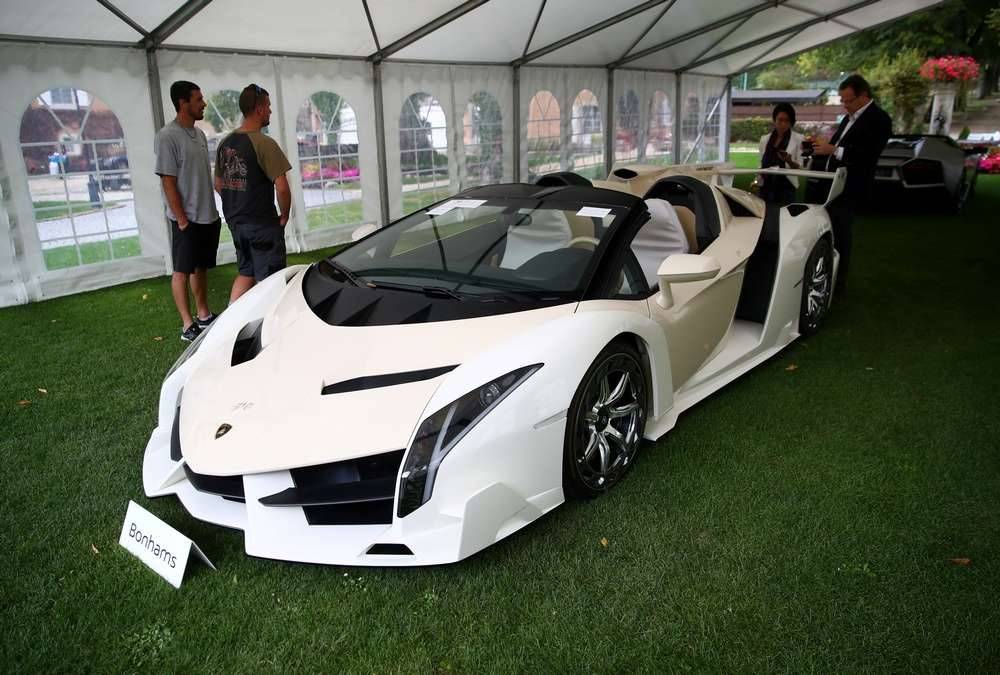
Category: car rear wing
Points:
column 839, row 177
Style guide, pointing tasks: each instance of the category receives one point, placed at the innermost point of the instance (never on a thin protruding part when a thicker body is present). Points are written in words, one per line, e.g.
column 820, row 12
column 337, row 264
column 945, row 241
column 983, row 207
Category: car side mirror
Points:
column 363, row 231
column 682, row 268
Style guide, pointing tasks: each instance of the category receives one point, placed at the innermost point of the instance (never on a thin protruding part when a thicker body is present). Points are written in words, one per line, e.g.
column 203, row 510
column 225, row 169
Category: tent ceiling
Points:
column 719, row 37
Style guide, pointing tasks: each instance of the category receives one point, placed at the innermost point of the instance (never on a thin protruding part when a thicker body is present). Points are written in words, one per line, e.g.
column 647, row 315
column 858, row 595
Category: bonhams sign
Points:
column 161, row 547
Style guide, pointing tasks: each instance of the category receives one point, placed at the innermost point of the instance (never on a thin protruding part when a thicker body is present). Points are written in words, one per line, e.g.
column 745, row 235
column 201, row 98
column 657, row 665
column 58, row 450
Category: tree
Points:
column 328, row 105
column 960, row 27
column 223, row 110
column 782, row 75
column 901, row 89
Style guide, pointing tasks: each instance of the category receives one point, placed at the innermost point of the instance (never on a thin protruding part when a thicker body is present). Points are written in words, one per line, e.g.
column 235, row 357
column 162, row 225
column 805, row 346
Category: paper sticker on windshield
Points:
column 593, row 212
column 442, row 209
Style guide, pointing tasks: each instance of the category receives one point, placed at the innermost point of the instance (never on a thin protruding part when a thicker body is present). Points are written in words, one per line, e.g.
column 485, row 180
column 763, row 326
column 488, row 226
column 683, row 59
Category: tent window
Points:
column 659, row 137
column 709, row 150
column 690, row 123
column 586, row 139
column 627, row 142
column 544, row 136
column 326, row 129
column 483, row 140
column 423, row 151
column 79, row 179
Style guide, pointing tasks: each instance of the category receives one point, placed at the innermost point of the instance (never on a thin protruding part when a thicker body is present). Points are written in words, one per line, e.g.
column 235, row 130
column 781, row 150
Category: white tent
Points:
column 380, row 105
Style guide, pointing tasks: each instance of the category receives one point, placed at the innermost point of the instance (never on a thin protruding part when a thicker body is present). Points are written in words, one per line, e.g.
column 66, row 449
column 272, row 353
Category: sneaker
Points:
column 203, row 323
column 190, row 333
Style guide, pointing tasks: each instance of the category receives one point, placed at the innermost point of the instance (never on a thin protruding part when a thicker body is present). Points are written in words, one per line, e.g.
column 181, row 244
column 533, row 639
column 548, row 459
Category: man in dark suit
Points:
column 858, row 143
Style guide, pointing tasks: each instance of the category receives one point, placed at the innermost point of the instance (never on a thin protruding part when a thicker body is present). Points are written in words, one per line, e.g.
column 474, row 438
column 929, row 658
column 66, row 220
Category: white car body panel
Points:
column 507, row 470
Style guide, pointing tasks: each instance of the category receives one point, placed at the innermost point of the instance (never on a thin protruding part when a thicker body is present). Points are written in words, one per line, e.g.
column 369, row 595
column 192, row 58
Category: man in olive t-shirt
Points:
column 249, row 169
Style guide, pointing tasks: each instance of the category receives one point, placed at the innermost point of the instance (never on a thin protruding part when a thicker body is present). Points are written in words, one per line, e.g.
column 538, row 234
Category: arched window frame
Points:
column 660, row 135
column 331, row 177
column 76, row 179
column 627, row 128
column 483, row 140
column 544, row 134
column 430, row 174
column 586, row 142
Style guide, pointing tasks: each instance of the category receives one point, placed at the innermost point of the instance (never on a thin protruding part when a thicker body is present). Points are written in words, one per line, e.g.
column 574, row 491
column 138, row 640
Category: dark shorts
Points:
column 260, row 249
column 195, row 246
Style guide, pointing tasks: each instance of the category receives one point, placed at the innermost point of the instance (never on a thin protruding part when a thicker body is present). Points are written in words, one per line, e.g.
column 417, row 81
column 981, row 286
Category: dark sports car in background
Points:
column 931, row 166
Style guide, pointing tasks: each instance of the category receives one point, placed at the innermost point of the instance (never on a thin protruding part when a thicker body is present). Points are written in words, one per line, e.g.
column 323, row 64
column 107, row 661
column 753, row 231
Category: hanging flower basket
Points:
column 950, row 69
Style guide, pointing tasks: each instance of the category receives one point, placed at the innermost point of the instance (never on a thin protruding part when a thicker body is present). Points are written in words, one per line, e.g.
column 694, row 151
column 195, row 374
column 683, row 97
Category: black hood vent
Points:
column 388, row 380
column 247, row 345
column 339, row 303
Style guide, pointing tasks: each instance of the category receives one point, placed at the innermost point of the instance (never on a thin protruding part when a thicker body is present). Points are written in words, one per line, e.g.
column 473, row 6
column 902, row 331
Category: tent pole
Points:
column 383, row 177
column 516, row 146
column 155, row 94
column 678, row 116
column 156, row 99
column 728, row 112
column 609, row 130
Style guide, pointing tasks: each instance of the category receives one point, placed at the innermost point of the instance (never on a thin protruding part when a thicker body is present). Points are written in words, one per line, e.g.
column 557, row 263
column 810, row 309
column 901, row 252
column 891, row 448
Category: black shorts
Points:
column 194, row 247
column 260, row 249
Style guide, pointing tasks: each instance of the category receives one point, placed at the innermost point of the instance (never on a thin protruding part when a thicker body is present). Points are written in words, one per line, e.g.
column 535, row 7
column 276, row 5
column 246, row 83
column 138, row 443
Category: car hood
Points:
column 271, row 413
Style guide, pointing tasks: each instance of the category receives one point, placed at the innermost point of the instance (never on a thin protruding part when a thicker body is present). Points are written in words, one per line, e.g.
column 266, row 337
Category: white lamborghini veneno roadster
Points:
column 446, row 380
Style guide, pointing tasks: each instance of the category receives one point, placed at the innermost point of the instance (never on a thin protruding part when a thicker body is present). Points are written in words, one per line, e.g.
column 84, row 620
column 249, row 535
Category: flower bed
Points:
column 311, row 172
column 950, row 69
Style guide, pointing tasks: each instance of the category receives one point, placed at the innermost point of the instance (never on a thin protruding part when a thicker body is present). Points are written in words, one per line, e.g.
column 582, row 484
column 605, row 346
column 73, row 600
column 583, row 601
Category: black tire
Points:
column 817, row 288
column 603, row 432
column 961, row 196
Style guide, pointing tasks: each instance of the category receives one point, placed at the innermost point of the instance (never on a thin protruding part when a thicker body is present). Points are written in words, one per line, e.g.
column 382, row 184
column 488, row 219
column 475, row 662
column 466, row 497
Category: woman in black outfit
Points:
column 782, row 148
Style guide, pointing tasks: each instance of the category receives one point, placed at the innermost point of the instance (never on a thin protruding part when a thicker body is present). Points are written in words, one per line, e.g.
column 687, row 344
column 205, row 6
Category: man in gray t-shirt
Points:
column 186, row 178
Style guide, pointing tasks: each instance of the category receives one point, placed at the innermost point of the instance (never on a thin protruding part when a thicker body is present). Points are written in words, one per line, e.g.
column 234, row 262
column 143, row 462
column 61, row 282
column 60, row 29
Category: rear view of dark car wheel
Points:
column 817, row 288
column 605, row 422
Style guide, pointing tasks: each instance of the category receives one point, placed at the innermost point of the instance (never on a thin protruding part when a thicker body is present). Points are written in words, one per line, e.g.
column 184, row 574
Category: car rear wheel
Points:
column 605, row 422
column 817, row 288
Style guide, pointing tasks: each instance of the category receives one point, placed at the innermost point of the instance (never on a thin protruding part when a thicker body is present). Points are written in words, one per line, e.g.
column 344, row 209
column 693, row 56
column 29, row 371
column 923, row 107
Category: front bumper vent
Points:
column 352, row 492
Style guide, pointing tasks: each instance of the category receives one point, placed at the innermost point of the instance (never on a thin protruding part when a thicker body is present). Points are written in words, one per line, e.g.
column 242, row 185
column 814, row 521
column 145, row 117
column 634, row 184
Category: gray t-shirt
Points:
column 183, row 153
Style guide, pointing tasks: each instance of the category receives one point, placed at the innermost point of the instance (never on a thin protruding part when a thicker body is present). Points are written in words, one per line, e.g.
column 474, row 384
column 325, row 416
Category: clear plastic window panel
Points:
column 627, row 138
column 586, row 136
column 483, row 140
column 660, row 131
column 544, row 135
column 78, row 178
column 326, row 130
column 423, row 152
column 690, row 124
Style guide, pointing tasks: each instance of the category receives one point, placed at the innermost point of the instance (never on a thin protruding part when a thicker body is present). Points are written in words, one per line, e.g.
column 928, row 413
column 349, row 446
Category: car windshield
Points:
column 477, row 247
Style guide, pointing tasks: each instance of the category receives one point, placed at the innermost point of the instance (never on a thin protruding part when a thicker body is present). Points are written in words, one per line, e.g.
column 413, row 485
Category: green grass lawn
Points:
column 52, row 210
column 62, row 257
column 801, row 519
column 332, row 215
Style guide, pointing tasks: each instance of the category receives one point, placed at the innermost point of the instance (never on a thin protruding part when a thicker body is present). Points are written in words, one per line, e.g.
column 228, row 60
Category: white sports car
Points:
column 446, row 380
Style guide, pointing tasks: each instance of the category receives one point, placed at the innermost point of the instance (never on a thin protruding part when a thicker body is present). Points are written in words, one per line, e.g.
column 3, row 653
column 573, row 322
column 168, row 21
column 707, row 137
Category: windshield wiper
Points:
column 346, row 273
column 431, row 291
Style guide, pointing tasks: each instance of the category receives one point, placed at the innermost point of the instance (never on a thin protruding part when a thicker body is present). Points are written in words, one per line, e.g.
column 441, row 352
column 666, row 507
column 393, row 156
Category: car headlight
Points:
column 191, row 349
column 440, row 432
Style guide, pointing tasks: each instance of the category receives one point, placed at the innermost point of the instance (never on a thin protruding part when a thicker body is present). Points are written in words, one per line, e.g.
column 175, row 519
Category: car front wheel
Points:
column 605, row 422
column 817, row 288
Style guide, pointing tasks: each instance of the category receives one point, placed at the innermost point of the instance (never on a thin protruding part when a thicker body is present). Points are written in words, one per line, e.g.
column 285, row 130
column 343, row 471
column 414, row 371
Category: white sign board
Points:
column 162, row 548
